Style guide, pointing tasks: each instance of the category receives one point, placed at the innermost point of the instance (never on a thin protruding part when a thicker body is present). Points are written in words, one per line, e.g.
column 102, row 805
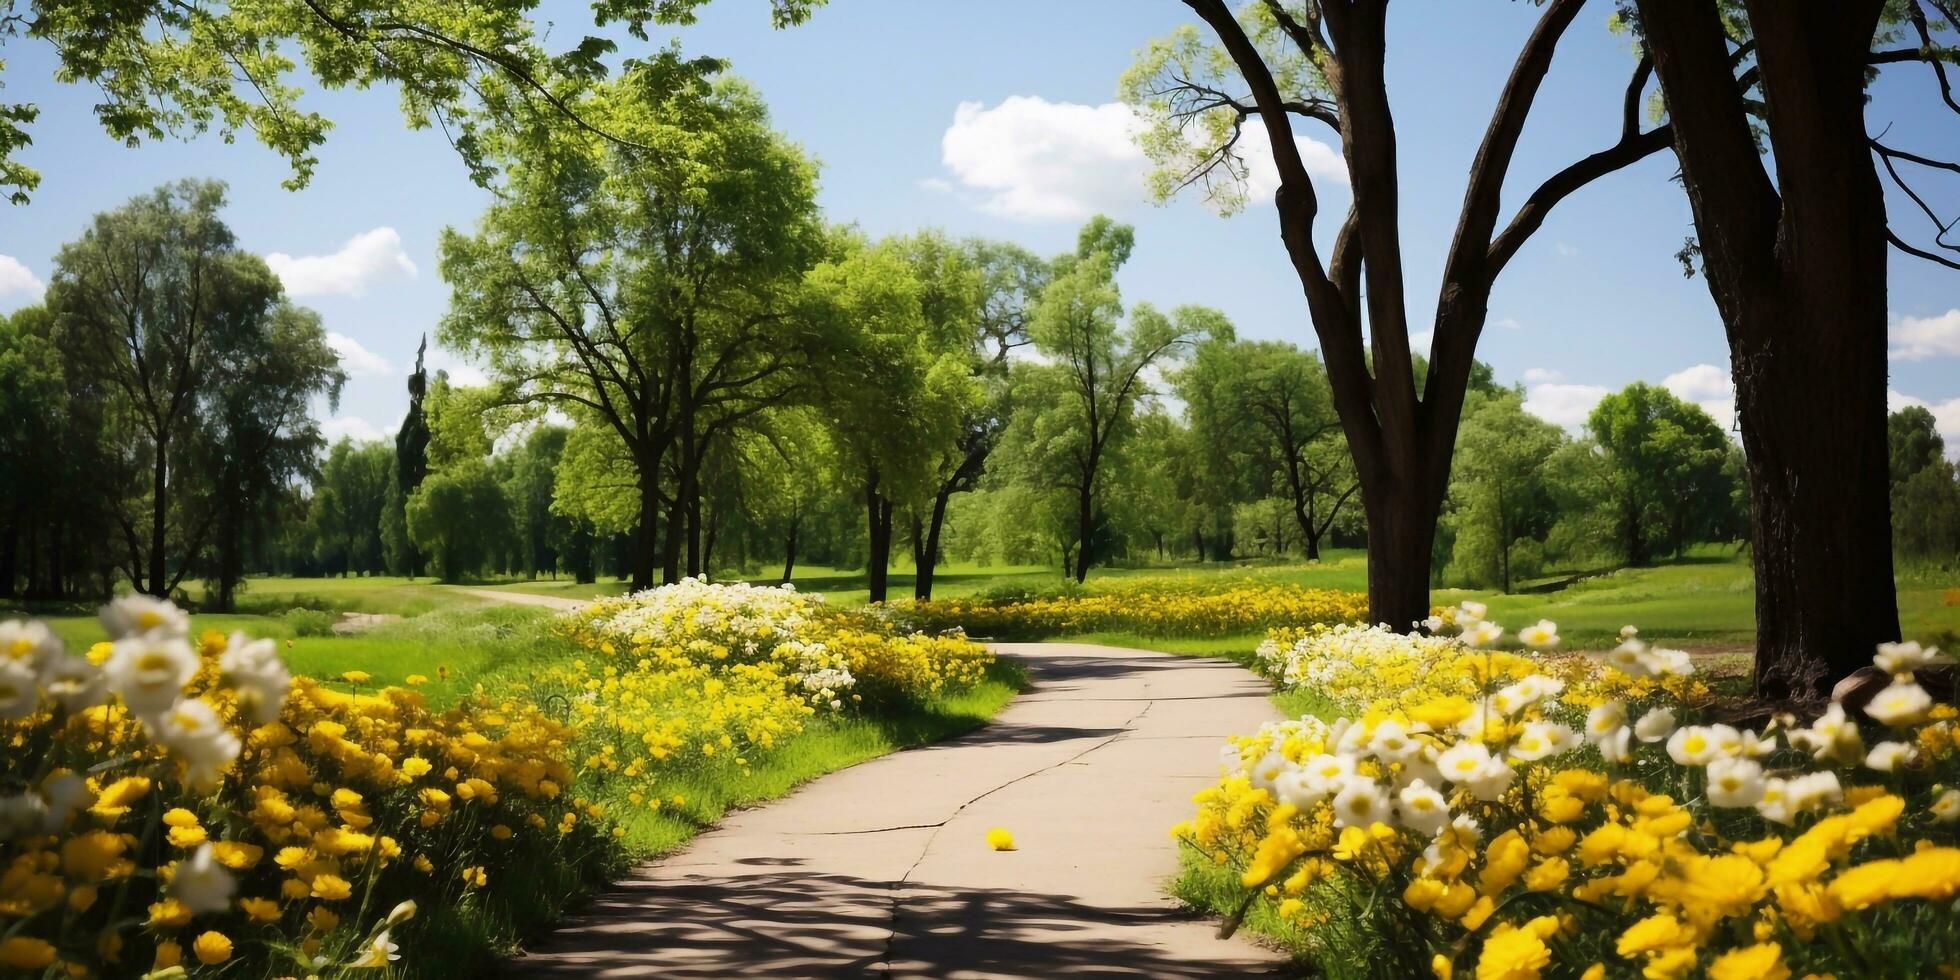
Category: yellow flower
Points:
column 116, row 799
column 415, row 767
column 1000, row 839
column 212, row 948
column 355, row 676
column 331, row 888
column 1763, row 961
column 474, row 877
column 26, row 953
column 169, row 914
column 322, row 919
column 416, row 680
column 1513, row 953
column 1655, row 932
column 259, row 910
column 169, row 954
column 500, row 832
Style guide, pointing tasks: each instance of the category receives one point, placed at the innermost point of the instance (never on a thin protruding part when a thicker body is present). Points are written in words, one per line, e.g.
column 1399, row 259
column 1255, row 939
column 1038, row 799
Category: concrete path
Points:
column 883, row 869
column 523, row 598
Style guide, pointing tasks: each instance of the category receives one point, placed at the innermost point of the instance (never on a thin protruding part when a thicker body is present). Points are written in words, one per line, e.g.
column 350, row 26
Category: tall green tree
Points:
column 56, row 528
column 1323, row 63
column 1670, row 482
column 350, row 499
column 1500, row 487
column 1925, row 490
column 1081, row 402
column 157, row 306
column 648, row 285
column 459, row 516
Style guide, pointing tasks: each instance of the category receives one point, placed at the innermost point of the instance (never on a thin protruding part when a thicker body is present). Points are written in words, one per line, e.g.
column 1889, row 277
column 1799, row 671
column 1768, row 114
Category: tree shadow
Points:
column 800, row 924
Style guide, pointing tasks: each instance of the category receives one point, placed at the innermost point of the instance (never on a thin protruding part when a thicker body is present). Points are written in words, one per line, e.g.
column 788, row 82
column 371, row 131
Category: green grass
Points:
column 823, row 748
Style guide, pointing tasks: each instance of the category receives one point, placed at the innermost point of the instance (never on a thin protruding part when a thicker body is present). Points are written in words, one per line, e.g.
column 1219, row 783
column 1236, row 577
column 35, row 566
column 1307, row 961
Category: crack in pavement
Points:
column 925, row 848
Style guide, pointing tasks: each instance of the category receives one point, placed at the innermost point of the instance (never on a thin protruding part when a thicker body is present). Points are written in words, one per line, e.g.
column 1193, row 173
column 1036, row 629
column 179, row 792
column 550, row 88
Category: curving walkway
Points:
column 882, row 869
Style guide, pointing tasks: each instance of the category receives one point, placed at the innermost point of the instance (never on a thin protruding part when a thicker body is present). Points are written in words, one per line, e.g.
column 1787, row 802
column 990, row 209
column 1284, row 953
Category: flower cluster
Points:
column 1584, row 821
column 1167, row 607
column 170, row 804
column 695, row 676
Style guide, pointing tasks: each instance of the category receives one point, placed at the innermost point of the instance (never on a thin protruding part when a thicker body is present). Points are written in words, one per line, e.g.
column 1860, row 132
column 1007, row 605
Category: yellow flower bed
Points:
column 1509, row 816
column 175, row 804
column 1169, row 607
column 696, row 675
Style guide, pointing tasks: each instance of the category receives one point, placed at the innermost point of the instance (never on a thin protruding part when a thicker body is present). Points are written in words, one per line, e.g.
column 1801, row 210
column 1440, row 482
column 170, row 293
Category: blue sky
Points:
column 993, row 119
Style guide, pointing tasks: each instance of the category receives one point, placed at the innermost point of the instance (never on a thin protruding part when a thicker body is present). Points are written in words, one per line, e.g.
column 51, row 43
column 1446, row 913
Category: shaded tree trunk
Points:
column 1085, row 524
column 1401, row 543
column 928, row 554
column 9, row 559
column 789, row 547
column 159, row 521
column 676, row 529
column 878, row 518
column 1797, row 268
column 646, row 538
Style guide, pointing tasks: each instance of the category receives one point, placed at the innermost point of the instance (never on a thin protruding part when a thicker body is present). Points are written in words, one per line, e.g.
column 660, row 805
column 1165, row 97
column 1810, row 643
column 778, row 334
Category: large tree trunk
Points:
column 159, row 521
column 928, row 553
column 1797, row 268
column 646, row 538
column 789, row 549
column 670, row 570
column 9, row 558
column 1401, row 545
column 878, row 520
column 1085, row 524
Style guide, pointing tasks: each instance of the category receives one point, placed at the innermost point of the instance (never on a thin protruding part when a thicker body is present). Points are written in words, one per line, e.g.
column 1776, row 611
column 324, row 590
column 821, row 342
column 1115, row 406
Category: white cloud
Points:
column 1030, row 159
column 350, row 427
column 1920, row 338
column 1708, row 386
column 1420, row 340
column 1946, row 416
column 461, row 372
column 1563, row 404
column 359, row 361
column 1542, row 375
column 16, row 277
column 369, row 257
column 936, row 185
column 1506, row 323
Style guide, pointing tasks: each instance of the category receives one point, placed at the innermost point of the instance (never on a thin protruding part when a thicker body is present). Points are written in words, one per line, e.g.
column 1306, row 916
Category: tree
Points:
column 1668, row 461
column 895, row 395
column 1323, row 61
column 542, row 533
column 1795, row 258
column 166, row 68
column 258, row 438
column 1925, row 489
column 1097, row 367
column 350, row 499
column 649, row 285
column 1269, row 402
column 980, row 294
column 1500, row 487
column 457, row 517
column 411, row 467
column 157, row 306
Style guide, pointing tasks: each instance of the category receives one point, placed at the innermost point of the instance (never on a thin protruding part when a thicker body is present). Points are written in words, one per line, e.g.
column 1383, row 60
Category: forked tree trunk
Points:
column 928, row 552
column 1797, row 269
column 1401, row 545
column 789, row 549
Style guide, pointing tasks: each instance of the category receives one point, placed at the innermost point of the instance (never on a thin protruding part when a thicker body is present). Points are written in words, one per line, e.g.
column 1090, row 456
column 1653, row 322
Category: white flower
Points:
column 1904, row 658
column 1655, row 725
column 1946, row 809
column 1296, row 787
column 1423, row 809
column 1329, row 769
column 254, row 668
column 1229, row 758
column 1471, row 612
column 1629, row 631
column 1899, row 704
column 1888, row 756
column 74, row 683
column 140, row 615
column 377, row 954
column 1774, row 802
column 1629, row 658
column 1462, row 762
column 1433, row 624
column 401, row 913
column 1267, row 769
column 1693, row 745
column 18, row 695
column 1734, row 782
column 1670, row 663
column 1541, row 635
column 1360, row 803
column 1605, row 719
column 1617, row 747
column 201, row 883
column 1543, row 739
column 1483, row 633
column 65, row 793
column 1391, row 743
column 29, row 642
column 1752, row 746
column 1814, row 791
column 24, row 813
column 150, row 671
column 192, row 730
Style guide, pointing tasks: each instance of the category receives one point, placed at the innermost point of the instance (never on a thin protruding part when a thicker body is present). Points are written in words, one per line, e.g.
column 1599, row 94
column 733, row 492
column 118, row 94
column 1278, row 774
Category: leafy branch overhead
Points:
column 181, row 68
